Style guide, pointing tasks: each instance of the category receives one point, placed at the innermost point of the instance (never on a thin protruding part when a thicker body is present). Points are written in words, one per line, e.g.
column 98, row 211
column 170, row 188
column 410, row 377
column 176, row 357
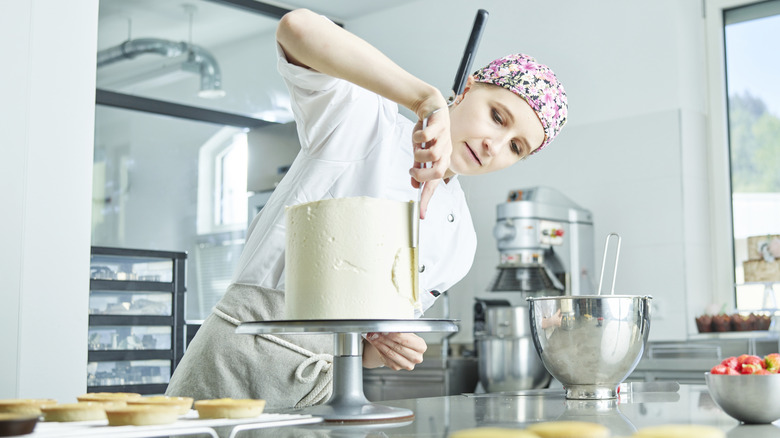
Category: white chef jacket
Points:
column 354, row 143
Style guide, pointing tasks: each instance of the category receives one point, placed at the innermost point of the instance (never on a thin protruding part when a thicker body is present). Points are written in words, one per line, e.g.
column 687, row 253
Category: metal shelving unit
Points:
column 136, row 321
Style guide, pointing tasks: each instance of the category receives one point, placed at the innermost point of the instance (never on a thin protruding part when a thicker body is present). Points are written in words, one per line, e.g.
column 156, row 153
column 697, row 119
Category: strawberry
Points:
column 731, row 372
column 741, row 359
column 750, row 368
column 763, row 372
column 772, row 362
column 730, row 362
column 748, row 359
column 719, row 369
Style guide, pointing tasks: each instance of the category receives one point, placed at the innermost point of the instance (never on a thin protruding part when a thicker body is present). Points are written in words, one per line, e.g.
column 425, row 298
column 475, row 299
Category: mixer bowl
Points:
column 507, row 356
column 590, row 343
column 510, row 364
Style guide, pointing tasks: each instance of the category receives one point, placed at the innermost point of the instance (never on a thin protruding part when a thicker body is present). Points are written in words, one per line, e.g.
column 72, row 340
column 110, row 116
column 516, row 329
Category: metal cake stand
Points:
column 348, row 403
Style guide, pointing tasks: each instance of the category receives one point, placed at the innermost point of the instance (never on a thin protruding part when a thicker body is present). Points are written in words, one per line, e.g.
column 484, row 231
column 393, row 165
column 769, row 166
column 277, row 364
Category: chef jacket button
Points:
column 451, row 217
column 422, row 268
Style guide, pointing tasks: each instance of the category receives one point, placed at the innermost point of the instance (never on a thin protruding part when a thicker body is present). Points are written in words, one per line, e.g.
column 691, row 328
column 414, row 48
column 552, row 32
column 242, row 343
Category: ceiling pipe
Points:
column 199, row 60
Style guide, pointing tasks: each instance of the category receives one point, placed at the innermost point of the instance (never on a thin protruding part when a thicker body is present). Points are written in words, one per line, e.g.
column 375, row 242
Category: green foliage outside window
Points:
column 755, row 145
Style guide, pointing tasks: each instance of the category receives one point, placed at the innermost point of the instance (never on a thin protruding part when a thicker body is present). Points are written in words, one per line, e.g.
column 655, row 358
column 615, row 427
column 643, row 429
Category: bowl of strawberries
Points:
column 747, row 387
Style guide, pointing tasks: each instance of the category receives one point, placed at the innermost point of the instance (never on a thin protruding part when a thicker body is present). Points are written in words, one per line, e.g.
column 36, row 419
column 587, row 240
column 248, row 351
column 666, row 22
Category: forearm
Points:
column 311, row 41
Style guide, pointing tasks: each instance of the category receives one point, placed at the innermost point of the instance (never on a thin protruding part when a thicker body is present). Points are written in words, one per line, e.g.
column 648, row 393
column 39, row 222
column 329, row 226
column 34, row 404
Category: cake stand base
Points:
column 348, row 403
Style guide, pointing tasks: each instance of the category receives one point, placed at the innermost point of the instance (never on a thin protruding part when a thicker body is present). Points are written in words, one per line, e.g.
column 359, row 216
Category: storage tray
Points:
column 130, row 303
column 128, row 372
column 186, row 425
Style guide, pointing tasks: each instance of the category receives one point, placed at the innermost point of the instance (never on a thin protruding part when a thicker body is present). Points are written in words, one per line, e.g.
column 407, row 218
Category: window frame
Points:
column 218, row 218
column 721, row 222
column 208, row 199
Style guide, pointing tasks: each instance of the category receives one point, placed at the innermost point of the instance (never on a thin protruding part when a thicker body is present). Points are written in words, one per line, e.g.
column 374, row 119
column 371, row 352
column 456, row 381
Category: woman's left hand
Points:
column 398, row 351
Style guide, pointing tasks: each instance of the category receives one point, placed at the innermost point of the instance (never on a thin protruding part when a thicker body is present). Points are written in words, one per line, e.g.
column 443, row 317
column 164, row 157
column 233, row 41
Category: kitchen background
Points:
column 644, row 149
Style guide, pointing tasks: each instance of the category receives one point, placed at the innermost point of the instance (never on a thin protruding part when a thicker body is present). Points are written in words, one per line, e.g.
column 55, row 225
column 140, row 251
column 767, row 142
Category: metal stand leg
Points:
column 348, row 402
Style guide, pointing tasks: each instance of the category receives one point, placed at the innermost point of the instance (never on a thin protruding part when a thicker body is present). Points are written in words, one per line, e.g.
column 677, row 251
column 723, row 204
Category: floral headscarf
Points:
column 536, row 84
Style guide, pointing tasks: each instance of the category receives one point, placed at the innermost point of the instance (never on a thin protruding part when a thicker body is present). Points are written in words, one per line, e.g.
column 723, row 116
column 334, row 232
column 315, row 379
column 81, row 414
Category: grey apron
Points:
column 284, row 370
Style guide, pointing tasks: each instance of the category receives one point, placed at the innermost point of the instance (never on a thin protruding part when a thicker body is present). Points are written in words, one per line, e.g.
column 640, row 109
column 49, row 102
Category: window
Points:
column 222, row 173
column 231, row 167
column 751, row 34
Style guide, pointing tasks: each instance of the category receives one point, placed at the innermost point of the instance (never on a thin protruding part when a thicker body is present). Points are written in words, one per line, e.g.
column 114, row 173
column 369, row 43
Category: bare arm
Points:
column 311, row 41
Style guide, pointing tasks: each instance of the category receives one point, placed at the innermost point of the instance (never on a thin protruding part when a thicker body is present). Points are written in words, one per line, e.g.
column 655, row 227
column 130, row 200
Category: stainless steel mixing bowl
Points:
column 510, row 364
column 752, row 399
column 507, row 358
column 590, row 343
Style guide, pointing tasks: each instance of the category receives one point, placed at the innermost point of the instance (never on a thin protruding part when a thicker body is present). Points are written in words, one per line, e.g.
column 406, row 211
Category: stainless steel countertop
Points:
column 440, row 416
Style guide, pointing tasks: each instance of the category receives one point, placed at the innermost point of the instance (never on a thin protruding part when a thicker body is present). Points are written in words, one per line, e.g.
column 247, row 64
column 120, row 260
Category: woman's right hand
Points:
column 432, row 148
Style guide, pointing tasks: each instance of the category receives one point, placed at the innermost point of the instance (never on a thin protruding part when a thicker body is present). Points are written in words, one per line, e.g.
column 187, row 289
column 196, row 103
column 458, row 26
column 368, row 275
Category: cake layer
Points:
column 350, row 258
column 755, row 245
column 760, row 270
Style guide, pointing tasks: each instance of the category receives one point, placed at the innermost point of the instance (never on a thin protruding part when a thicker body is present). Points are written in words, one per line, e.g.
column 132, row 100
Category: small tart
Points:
column 142, row 415
column 82, row 411
column 679, row 431
column 182, row 404
column 493, row 432
column 229, row 408
column 25, row 405
column 107, row 396
column 5, row 416
column 13, row 424
column 569, row 429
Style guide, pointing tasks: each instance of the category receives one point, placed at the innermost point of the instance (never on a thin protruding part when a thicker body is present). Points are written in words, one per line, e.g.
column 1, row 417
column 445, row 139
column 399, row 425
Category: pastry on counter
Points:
column 741, row 323
column 81, row 411
column 142, row 415
column 229, row 408
column 704, row 323
column 569, row 429
column 25, row 405
column 735, row 322
column 721, row 323
column 679, row 431
column 182, row 404
column 14, row 424
column 109, row 399
column 492, row 432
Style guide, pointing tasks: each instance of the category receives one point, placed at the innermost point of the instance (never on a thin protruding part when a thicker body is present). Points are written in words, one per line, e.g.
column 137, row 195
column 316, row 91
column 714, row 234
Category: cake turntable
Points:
column 348, row 403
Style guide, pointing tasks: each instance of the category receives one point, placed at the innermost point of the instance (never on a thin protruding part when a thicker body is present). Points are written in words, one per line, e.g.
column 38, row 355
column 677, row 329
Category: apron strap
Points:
column 323, row 364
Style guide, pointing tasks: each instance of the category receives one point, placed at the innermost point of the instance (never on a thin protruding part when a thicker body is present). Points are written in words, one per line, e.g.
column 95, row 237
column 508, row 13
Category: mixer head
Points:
column 526, row 278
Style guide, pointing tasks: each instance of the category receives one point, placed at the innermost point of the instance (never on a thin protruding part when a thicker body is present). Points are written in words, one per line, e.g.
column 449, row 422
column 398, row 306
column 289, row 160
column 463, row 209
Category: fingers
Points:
column 432, row 150
column 425, row 196
column 371, row 356
column 398, row 351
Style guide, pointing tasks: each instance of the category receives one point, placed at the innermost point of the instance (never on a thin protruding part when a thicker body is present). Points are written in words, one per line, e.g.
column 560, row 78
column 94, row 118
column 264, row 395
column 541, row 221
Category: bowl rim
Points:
column 708, row 373
column 650, row 297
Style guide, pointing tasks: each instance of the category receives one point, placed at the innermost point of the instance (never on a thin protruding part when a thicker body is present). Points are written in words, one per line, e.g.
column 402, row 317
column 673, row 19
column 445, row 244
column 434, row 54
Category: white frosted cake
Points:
column 350, row 258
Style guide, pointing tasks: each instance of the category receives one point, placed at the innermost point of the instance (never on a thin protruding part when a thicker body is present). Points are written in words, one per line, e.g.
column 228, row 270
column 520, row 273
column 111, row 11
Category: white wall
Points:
column 270, row 148
column 633, row 152
column 46, row 124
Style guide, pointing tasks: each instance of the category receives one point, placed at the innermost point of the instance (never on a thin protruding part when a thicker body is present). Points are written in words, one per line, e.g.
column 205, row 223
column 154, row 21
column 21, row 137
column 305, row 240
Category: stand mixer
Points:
column 546, row 249
column 546, row 244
